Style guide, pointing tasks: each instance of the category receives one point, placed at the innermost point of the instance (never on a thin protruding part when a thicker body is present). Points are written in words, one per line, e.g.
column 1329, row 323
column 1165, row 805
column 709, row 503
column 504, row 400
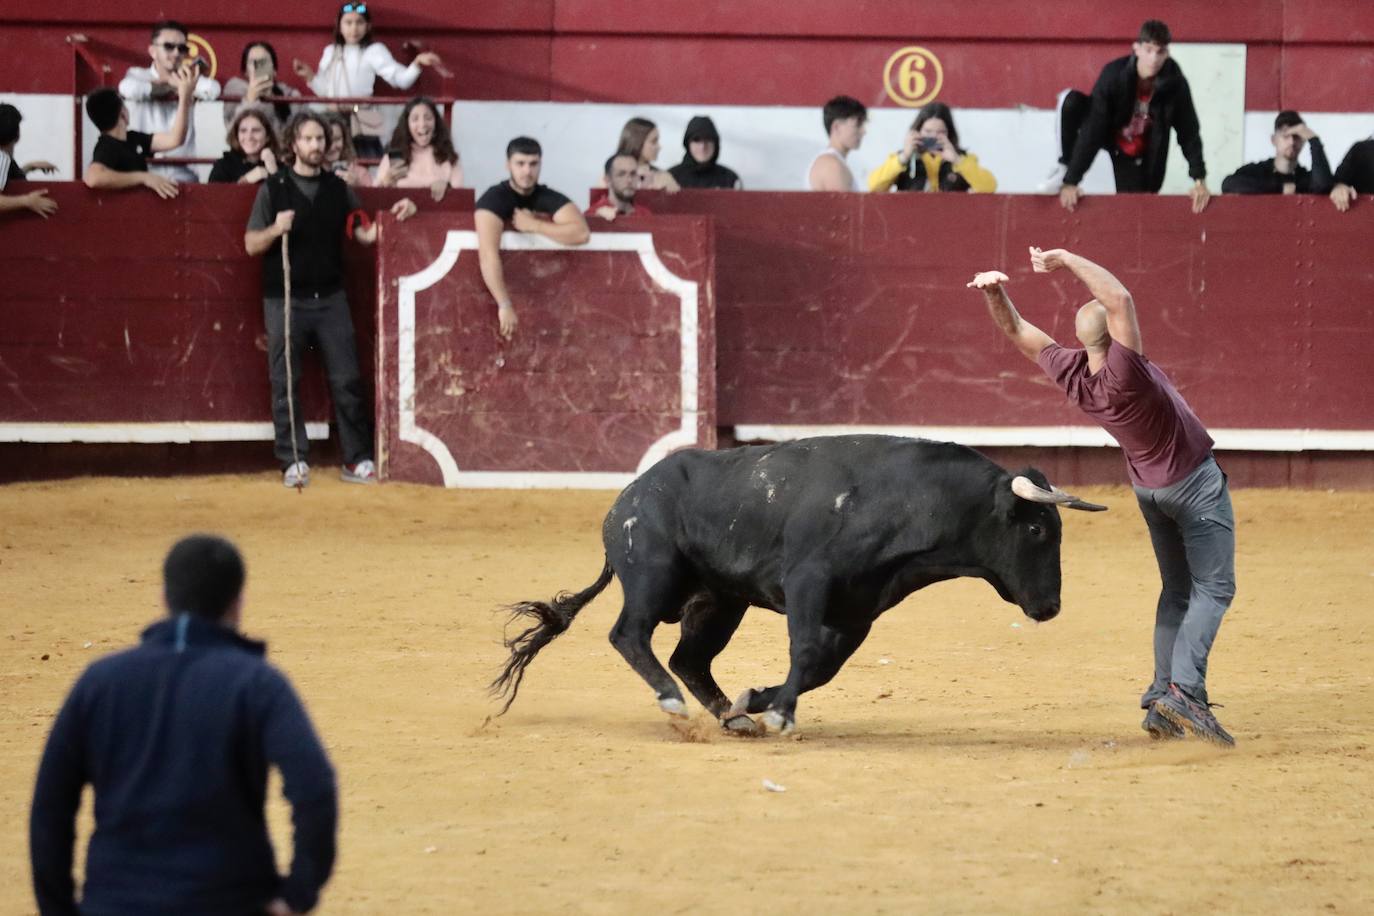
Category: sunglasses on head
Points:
column 173, row 46
column 360, row 8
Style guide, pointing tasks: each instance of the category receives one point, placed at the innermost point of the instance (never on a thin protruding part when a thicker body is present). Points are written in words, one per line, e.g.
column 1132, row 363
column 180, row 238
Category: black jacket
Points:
column 176, row 736
column 1357, row 168
column 692, row 174
column 231, row 167
column 1260, row 177
column 1113, row 102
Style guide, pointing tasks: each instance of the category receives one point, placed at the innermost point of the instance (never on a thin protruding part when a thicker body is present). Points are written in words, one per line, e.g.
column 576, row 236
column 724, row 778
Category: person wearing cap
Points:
column 1282, row 174
column 175, row 736
column 700, row 167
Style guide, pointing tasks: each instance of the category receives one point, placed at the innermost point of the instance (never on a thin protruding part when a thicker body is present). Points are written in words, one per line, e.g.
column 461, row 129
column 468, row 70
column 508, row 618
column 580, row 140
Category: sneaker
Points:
column 1184, row 711
column 1054, row 181
column 296, row 475
column 1158, row 726
column 362, row 472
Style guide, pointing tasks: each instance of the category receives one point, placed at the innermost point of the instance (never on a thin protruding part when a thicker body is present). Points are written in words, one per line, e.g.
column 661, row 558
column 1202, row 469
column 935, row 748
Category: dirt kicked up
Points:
column 966, row 760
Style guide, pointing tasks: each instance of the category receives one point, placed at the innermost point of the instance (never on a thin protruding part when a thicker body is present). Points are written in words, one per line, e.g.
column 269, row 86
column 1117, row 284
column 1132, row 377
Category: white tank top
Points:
column 829, row 151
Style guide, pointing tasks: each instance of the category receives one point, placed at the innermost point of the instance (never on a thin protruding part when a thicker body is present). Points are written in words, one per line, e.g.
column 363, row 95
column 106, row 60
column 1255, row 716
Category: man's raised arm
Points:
column 1105, row 288
column 1029, row 339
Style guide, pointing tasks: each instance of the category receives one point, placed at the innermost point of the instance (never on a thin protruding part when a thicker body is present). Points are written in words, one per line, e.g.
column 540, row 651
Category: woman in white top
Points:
column 421, row 154
column 350, row 66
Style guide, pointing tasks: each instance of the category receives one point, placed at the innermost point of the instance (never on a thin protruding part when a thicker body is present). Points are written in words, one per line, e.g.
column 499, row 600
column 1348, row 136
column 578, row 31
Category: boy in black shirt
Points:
column 1355, row 175
column 1282, row 174
column 516, row 201
column 121, row 155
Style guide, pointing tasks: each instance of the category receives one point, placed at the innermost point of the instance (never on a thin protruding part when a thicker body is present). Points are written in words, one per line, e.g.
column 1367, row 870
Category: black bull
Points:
column 829, row 531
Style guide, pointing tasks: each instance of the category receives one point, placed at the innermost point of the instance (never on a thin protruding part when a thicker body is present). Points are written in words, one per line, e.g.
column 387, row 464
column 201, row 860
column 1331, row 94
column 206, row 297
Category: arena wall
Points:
column 834, row 313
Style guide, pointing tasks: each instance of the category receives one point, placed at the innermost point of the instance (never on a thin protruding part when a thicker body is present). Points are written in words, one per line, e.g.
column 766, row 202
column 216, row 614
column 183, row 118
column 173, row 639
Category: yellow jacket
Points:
column 892, row 172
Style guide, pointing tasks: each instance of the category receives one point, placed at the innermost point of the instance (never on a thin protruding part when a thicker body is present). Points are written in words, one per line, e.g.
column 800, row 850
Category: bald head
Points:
column 1090, row 325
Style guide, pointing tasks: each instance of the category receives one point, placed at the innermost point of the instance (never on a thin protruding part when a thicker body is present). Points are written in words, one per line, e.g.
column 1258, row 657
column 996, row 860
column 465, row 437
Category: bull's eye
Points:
column 1036, row 531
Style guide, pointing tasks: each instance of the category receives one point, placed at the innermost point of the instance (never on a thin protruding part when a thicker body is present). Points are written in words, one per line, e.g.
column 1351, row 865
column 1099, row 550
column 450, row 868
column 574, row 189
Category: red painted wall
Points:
column 1302, row 54
column 851, row 308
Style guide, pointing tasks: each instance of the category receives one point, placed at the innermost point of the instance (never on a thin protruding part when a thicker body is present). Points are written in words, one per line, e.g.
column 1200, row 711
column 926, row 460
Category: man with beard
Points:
column 699, row 168
column 1137, row 101
column 314, row 208
column 1282, row 174
column 622, row 183
column 528, row 206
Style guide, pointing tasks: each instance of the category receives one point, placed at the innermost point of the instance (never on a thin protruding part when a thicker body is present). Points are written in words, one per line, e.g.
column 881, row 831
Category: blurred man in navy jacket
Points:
column 176, row 736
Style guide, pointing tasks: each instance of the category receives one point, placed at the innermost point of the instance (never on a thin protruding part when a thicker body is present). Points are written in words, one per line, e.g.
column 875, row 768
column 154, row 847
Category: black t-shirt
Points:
column 127, row 155
column 502, row 200
column 231, row 167
column 15, row 174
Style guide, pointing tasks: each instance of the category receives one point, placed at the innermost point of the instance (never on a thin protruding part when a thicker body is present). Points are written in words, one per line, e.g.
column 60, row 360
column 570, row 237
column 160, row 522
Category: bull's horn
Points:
column 1025, row 488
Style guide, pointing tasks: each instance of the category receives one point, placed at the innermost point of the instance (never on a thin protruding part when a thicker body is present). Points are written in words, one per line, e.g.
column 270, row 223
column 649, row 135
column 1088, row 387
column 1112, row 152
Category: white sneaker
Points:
column 362, row 472
column 1054, row 181
column 297, row 475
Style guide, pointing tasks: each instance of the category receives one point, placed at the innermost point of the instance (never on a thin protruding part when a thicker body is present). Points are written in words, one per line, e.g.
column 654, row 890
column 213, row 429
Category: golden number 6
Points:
column 911, row 82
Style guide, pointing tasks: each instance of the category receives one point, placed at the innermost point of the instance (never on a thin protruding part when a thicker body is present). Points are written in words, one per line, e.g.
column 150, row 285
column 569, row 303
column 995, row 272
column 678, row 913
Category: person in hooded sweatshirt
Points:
column 699, row 168
column 175, row 736
column 1137, row 102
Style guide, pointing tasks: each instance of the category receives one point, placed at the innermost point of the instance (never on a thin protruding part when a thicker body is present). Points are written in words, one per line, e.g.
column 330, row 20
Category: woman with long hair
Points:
column 639, row 138
column 252, row 152
column 931, row 159
column 350, row 66
column 257, row 78
column 339, row 156
column 421, row 153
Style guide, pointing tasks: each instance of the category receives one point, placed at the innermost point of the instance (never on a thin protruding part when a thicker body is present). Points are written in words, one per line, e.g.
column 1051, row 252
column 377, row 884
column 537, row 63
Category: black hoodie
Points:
column 1113, row 103
column 692, row 174
column 175, row 736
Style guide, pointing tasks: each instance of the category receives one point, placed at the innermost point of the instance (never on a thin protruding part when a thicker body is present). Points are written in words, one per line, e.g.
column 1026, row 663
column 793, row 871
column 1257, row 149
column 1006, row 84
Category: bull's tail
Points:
column 550, row 619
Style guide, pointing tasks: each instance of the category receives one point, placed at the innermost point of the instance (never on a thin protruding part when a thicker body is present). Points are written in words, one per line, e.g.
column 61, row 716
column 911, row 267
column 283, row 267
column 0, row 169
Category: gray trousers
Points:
column 327, row 324
column 1192, row 528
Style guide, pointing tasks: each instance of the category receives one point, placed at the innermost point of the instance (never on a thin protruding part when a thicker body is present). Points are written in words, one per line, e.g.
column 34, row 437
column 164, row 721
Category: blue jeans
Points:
column 1192, row 528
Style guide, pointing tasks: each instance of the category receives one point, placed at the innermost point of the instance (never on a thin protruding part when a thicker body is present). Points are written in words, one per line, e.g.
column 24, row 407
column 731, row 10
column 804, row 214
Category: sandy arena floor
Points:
column 965, row 761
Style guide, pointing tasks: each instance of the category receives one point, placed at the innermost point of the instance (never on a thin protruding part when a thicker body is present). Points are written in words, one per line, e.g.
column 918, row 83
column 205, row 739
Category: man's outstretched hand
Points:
column 1043, row 262
column 988, row 280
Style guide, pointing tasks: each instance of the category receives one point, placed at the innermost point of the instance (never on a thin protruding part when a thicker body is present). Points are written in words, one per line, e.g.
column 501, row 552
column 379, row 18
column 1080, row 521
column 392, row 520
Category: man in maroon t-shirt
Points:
column 1181, row 490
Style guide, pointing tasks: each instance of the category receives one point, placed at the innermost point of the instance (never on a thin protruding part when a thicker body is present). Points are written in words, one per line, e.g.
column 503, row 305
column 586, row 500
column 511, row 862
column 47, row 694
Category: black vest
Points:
column 316, row 237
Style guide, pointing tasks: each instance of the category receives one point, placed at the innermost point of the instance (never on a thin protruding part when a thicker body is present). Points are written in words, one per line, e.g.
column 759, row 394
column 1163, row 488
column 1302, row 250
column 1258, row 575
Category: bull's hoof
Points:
column 742, row 702
column 673, row 707
column 741, row 725
column 778, row 722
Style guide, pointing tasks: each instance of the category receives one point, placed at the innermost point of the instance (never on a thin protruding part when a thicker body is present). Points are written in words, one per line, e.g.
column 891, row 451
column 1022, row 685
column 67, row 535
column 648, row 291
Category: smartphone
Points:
column 928, row 144
column 262, row 67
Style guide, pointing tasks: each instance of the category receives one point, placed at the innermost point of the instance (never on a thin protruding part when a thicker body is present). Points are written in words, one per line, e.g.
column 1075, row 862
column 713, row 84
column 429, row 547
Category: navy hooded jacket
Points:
column 176, row 736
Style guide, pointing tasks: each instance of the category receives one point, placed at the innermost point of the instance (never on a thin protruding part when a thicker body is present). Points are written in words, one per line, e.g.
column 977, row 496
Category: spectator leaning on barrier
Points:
column 622, row 183
column 315, row 208
column 153, row 96
column 252, row 155
column 1282, row 174
column 258, row 67
column 340, row 158
column 523, row 202
column 421, row 153
column 175, row 736
column 1355, row 175
column 931, row 159
column 121, row 155
column 349, row 67
column 699, row 168
column 36, row 201
column 1137, row 101
column 845, row 121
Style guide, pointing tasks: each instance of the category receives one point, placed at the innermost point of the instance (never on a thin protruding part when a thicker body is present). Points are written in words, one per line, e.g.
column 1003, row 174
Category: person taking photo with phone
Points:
column 931, row 159
column 152, row 94
column 257, row 80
